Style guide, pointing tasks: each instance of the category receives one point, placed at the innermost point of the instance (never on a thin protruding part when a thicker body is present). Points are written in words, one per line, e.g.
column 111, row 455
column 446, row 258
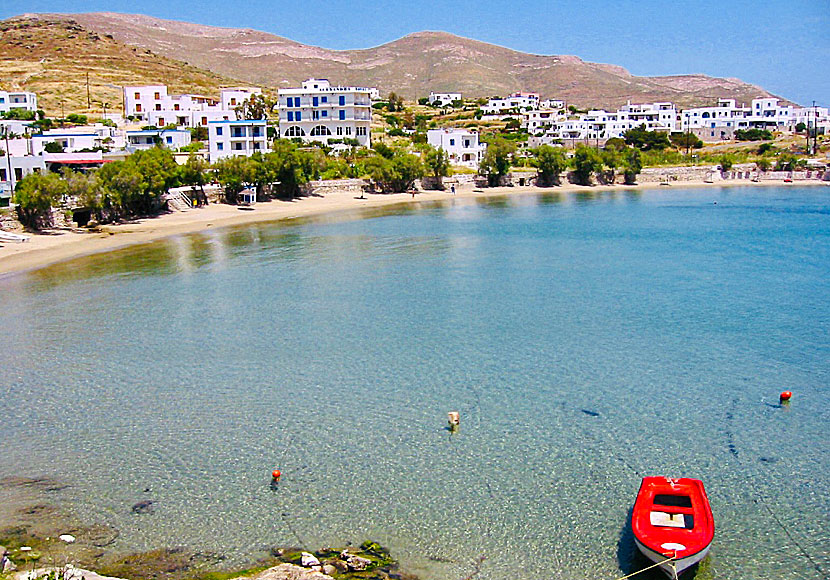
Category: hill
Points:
column 53, row 56
column 412, row 65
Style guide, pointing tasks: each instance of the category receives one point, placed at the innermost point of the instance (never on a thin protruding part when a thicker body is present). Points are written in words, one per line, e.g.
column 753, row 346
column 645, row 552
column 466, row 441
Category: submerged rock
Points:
column 143, row 507
column 290, row 572
column 309, row 560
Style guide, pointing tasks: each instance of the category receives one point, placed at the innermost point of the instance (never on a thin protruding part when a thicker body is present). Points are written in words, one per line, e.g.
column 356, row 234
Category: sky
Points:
column 782, row 46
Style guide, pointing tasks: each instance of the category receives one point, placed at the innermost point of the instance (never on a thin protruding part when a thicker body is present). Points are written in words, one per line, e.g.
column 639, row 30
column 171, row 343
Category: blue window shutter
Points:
column 342, row 100
column 325, row 113
column 218, row 130
column 342, row 115
column 298, row 116
column 315, row 101
column 290, row 116
column 324, row 99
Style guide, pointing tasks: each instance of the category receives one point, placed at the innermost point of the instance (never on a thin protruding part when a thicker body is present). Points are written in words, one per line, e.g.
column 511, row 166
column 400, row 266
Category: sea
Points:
column 586, row 340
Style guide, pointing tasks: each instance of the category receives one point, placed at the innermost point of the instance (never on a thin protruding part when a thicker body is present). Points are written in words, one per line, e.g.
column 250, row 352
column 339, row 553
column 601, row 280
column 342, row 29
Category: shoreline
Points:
column 43, row 250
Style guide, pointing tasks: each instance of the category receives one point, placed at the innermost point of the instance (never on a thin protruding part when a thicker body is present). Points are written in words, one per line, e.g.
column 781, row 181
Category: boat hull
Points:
column 681, row 565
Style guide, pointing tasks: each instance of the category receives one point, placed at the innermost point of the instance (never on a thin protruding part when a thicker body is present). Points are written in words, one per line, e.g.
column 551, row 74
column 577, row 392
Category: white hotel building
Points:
column 462, row 145
column 237, row 138
column 17, row 100
column 443, row 99
column 153, row 105
column 519, row 102
column 320, row 112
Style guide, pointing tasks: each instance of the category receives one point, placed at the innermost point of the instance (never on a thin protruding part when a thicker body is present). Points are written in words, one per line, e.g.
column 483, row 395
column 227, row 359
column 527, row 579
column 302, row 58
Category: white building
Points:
column 235, row 138
column 813, row 117
column 13, row 168
column 320, row 112
column 153, row 105
column 552, row 104
column 17, row 100
column 598, row 124
column 74, row 139
column 443, row 99
column 147, row 139
column 517, row 102
column 462, row 145
column 719, row 123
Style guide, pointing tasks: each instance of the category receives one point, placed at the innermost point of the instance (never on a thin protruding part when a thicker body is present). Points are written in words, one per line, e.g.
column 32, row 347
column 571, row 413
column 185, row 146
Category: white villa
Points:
column 443, row 99
column 236, row 138
column 149, row 138
column 517, row 102
column 462, row 145
column 152, row 104
column 320, row 112
column 17, row 100
column 719, row 122
column 73, row 139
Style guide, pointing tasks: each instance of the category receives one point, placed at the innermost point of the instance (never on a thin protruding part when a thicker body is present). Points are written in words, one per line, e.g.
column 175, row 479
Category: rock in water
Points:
column 143, row 507
column 354, row 561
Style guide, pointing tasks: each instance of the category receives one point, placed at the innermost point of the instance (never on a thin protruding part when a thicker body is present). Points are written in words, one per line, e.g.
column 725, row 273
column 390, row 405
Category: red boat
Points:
column 672, row 522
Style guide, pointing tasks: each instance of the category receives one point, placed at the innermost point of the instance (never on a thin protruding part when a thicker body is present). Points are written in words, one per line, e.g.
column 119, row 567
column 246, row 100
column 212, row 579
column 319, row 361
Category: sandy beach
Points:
column 57, row 246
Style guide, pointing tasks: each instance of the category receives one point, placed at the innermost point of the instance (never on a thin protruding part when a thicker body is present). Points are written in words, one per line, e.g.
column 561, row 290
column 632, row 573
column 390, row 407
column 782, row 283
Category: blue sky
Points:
column 782, row 46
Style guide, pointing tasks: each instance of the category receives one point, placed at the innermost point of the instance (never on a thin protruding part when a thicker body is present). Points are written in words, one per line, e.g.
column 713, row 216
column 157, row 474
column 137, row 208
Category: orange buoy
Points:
column 276, row 474
column 785, row 396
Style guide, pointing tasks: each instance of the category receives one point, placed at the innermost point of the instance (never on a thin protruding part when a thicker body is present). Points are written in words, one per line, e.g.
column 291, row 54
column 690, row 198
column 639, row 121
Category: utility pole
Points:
column 9, row 159
column 88, row 96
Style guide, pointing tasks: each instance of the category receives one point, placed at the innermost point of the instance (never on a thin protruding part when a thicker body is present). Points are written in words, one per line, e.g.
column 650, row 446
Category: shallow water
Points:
column 586, row 339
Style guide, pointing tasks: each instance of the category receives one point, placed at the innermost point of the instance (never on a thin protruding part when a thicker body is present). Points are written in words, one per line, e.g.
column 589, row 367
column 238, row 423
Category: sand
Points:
column 56, row 246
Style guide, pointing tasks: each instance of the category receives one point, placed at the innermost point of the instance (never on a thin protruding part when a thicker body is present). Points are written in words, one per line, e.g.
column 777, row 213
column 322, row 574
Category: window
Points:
column 340, row 131
column 320, row 130
column 169, row 140
column 342, row 114
column 138, row 95
column 290, row 115
column 256, row 146
column 238, row 146
column 452, row 142
column 324, row 99
column 257, row 131
column 233, row 102
column 204, row 120
column 315, row 102
column 18, row 173
column 348, row 130
column 220, row 146
column 239, row 131
column 360, row 131
column 325, row 113
column 156, row 96
column 298, row 116
column 138, row 108
column 218, row 131
column 295, row 132
column 342, row 100
column 176, row 107
column 2, row 169
column 315, row 115
column 158, row 107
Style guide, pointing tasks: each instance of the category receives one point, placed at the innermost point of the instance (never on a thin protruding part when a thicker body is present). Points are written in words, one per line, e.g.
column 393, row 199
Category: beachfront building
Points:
column 462, row 145
column 13, row 168
column 17, row 100
column 443, row 99
column 318, row 111
column 236, row 138
column 515, row 103
column 814, row 118
column 719, row 122
column 153, row 105
column 148, row 138
column 72, row 139
column 597, row 125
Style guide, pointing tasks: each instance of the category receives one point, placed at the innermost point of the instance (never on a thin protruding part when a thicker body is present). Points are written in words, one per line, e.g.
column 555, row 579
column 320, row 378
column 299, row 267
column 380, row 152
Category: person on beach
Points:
column 452, row 189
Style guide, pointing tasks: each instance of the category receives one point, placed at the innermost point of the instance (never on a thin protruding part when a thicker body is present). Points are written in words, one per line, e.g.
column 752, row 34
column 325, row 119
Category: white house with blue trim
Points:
column 148, row 138
column 320, row 112
column 235, row 138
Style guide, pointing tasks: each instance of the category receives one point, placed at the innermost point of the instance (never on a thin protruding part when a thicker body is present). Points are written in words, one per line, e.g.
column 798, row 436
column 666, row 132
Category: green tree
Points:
column 256, row 107
column 685, row 140
column 437, row 165
column 763, row 164
column 122, row 186
column 497, row 159
column 395, row 175
column 550, row 162
column 85, row 189
column 726, row 161
column 53, row 147
column 195, row 173
column 233, row 174
column 616, row 143
column 800, row 127
column 586, row 161
column 646, row 140
column 35, row 195
column 632, row 166
column 753, row 135
column 611, row 160
column 160, row 172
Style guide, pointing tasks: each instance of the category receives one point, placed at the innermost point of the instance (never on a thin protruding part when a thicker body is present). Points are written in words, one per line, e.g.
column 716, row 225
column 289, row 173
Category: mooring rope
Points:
column 670, row 559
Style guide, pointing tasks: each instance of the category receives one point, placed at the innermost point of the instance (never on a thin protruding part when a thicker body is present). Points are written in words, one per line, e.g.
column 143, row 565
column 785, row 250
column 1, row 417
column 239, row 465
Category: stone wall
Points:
column 324, row 187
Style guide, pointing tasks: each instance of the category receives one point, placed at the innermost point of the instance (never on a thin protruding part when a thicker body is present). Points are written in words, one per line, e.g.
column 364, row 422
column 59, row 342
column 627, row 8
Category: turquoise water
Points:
column 587, row 340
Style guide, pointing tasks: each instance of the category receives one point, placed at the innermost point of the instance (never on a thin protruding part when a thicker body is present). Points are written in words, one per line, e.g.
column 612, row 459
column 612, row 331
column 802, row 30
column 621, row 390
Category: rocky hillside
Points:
column 412, row 65
column 53, row 57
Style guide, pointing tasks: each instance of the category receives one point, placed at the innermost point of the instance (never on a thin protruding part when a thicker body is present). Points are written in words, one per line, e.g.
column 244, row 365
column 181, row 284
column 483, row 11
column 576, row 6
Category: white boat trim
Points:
column 12, row 237
column 681, row 565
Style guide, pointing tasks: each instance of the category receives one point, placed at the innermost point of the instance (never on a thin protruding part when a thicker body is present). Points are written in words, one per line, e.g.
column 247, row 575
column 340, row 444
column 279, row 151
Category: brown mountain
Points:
column 412, row 65
column 57, row 58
